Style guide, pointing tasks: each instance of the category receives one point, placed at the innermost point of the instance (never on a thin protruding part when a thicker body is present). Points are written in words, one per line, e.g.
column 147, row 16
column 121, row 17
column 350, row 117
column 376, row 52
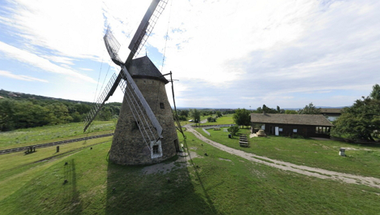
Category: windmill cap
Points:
column 143, row 67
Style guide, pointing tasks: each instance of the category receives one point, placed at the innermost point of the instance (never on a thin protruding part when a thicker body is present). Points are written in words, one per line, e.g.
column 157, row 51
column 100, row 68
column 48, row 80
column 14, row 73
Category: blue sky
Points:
column 225, row 53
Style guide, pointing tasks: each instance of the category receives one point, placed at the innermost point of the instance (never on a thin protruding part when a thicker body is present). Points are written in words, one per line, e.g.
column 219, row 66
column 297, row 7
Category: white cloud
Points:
column 68, row 28
column 269, row 51
column 23, row 56
column 20, row 77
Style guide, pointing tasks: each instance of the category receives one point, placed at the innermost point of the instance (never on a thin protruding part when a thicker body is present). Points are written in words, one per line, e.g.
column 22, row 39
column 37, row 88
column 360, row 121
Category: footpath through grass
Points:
column 360, row 160
column 218, row 183
column 46, row 134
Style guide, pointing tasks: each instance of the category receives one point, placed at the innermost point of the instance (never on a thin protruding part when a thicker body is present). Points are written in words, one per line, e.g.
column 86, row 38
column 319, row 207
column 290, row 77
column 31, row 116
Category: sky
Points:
column 222, row 53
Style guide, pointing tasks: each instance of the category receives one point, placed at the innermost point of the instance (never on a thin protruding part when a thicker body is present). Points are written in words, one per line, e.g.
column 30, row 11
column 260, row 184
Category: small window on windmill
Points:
column 162, row 105
column 135, row 125
column 155, row 149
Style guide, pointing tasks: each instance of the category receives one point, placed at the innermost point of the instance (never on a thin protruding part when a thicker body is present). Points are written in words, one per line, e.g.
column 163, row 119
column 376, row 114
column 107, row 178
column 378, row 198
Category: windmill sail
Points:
column 135, row 92
column 149, row 127
column 146, row 26
column 143, row 31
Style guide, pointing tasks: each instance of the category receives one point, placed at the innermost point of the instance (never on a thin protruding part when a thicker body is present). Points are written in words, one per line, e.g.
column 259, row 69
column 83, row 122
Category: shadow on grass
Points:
column 53, row 192
column 130, row 191
column 365, row 143
column 70, row 191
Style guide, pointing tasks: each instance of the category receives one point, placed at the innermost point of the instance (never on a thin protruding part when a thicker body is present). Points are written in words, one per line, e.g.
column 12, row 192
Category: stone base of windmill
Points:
column 137, row 153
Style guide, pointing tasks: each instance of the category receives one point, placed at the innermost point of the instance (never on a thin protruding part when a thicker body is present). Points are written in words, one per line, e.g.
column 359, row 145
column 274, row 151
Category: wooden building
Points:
column 307, row 125
column 331, row 113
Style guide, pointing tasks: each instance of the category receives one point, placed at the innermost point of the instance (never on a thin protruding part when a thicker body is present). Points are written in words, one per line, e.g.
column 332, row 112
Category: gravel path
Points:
column 304, row 170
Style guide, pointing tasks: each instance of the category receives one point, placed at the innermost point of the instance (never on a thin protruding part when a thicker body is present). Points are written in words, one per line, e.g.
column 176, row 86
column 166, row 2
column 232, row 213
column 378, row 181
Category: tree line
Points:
column 26, row 112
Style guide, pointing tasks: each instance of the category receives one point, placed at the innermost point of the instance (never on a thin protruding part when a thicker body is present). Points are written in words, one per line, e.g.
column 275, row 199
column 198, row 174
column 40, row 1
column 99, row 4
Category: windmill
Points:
column 145, row 132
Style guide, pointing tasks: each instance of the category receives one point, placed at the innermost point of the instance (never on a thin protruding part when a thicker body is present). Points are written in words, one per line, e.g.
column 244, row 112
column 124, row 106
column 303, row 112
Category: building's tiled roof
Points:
column 291, row 119
column 143, row 67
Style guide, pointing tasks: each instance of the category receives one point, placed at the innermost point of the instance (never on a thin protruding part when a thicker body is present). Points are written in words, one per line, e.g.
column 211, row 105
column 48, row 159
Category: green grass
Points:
column 45, row 134
column 360, row 160
column 219, row 183
column 223, row 120
column 19, row 165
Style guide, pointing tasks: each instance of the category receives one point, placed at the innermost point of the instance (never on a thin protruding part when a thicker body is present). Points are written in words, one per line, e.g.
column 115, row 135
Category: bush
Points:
column 233, row 130
column 210, row 119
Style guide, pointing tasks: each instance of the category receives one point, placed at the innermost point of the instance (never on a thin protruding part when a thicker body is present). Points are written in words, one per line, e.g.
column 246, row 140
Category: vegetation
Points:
column 242, row 117
column 361, row 121
column 233, row 130
column 52, row 133
column 183, row 115
column 219, row 183
column 360, row 159
column 310, row 109
column 291, row 112
column 266, row 109
column 26, row 111
column 196, row 114
column 223, row 120
column 375, row 94
column 211, row 119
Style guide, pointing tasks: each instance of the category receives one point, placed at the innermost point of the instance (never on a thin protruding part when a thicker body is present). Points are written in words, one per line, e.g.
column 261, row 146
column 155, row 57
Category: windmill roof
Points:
column 291, row 119
column 143, row 67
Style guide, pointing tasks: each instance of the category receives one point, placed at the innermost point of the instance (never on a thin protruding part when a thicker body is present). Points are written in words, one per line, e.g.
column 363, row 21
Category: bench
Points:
column 243, row 141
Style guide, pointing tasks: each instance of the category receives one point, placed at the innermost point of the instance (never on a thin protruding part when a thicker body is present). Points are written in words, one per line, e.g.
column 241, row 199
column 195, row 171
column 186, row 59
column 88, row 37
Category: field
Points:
column 324, row 154
column 223, row 120
column 216, row 183
column 45, row 134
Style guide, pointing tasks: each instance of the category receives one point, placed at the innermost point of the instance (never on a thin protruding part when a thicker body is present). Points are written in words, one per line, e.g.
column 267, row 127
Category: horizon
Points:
column 221, row 108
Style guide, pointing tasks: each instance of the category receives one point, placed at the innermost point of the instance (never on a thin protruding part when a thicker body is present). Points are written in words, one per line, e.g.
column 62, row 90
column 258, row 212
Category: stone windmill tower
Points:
column 145, row 132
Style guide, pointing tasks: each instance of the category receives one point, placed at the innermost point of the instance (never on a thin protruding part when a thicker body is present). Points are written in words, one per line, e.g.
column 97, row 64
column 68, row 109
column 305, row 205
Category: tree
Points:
column 28, row 115
column 279, row 110
column 7, row 114
column 58, row 114
column 359, row 121
column 233, row 130
column 290, row 112
column 218, row 113
column 179, row 115
column 310, row 109
column 211, row 119
column 184, row 113
column 266, row 109
column 196, row 114
column 105, row 114
column 242, row 117
column 375, row 94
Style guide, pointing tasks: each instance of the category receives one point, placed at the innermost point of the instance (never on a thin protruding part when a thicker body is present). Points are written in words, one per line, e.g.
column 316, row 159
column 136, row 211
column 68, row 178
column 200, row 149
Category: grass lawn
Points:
column 219, row 183
column 45, row 134
column 223, row 120
column 17, row 168
column 360, row 160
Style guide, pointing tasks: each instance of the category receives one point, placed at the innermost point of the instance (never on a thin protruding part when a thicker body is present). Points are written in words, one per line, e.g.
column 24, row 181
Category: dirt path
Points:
column 304, row 170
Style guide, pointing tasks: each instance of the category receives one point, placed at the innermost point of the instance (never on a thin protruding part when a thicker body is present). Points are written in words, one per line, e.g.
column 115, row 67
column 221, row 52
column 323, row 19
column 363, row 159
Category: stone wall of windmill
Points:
column 128, row 147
